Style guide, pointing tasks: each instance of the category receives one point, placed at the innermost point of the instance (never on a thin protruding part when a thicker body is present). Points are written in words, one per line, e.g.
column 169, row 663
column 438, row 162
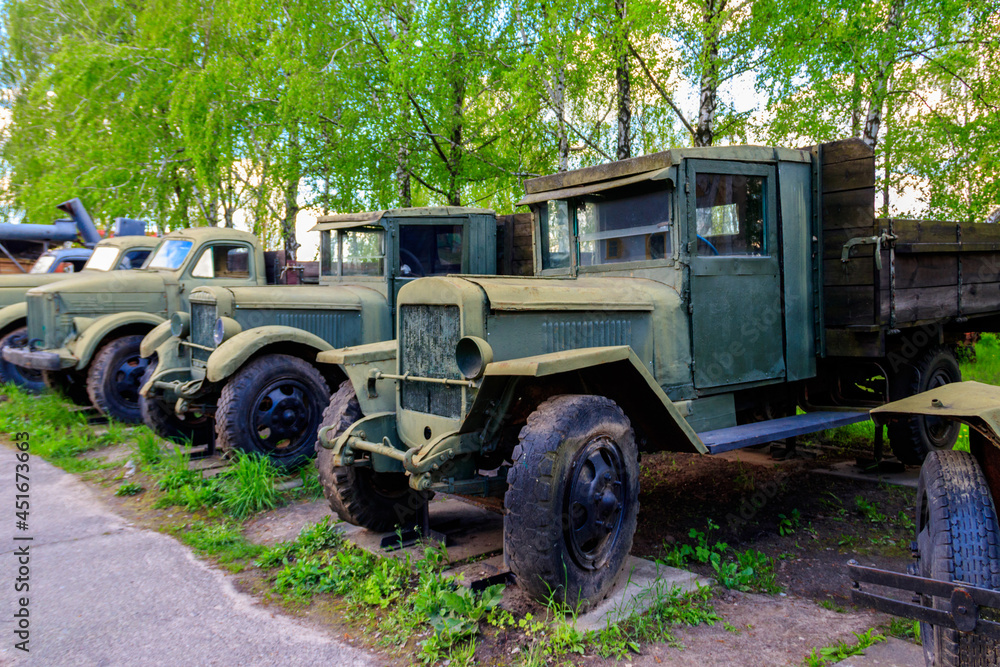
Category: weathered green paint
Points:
column 344, row 311
column 972, row 403
column 83, row 347
column 13, row 315
column 155, row 338
column 358, row 363
column 799, row 289
column 135, row 297
column 233, row 353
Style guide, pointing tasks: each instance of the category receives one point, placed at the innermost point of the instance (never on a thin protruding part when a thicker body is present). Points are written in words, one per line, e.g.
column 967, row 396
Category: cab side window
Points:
column 133, row 259
column 729, row 212
column 427, row 250
column 223, row 261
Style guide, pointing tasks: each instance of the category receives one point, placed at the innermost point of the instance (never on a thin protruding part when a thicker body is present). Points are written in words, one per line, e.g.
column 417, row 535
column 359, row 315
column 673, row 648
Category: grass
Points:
column 829, row 655
column 750, row 570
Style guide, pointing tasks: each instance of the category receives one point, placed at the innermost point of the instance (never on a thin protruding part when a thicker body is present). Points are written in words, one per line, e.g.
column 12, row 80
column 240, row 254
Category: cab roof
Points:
column 202, row 234
column 126, row 242
column 343, row 220
column 654, row 166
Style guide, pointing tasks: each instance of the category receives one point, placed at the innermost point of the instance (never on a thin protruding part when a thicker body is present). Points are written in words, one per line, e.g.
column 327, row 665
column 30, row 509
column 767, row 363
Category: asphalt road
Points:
column 103, row 592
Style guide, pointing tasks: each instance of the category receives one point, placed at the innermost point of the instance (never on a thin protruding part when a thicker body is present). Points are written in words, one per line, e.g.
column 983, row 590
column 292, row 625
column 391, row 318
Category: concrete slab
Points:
column 890, row 653
column 850, row 470
column 285, row 523
column 642, row 584
column 472, row 531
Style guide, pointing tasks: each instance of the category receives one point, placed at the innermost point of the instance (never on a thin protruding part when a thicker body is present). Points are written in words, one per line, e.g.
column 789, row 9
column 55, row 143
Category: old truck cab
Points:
column 242, row 360
column 84, row 334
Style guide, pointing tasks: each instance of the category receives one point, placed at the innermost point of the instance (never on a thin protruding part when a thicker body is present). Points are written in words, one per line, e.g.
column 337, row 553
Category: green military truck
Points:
column 686, row 301
column 118, row 253
column 84, row 335
column 245, row 356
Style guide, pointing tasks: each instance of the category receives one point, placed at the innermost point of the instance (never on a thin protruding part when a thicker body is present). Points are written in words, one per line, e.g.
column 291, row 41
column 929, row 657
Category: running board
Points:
column 759, row 433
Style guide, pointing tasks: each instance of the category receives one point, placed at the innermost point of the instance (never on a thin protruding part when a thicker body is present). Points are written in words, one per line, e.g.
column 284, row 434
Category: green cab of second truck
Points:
column 678, row 295
column 83, row 335
column 117, row 253
column 241, row 361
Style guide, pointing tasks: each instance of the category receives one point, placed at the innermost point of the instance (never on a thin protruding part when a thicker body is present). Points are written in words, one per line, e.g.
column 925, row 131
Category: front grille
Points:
column 42, row 322
column 203, row 319
column 427, row 339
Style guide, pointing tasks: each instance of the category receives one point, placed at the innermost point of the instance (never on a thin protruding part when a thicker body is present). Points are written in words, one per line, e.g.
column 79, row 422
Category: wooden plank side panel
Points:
column 845, row 149
column 979, row 298
column 850, row 305
column 854, row 272
column 849, row 175
column 834, row 240
column 849, row 209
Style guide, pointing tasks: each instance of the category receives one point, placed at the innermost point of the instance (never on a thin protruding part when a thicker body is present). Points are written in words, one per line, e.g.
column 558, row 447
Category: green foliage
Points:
column 223, row 541
column 787, row 525
column 748, row 570
column 247, row 486
column 841, row 650
column 869, row 511
column 129, row 489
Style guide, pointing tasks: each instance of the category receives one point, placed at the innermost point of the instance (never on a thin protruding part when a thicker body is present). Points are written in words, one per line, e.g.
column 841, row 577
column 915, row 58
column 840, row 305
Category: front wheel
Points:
column 912, row 438
column 113, row 379
column 376, row 501
column 958, row 540
column 272, row 407
column 27, row 379
column 160, row 417
column 572, row 500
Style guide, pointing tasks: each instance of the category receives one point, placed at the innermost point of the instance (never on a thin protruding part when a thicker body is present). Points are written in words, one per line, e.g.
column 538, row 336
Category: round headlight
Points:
column 219, row 334
column 472, row 355
column 225, row 328
column 180, row 324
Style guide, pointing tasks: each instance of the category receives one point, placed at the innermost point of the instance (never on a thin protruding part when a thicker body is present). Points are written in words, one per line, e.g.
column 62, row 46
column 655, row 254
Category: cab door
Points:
column 736, row 308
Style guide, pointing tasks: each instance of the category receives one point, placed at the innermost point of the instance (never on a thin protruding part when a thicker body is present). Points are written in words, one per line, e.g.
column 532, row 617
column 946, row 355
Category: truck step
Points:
column 759, row 433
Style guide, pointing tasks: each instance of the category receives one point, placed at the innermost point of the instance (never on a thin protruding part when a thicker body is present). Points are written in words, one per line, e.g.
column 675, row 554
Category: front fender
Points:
column 12, row 315
column 233, row 353
column 634, row 389
column 154, row 339
column 972, row 403
column 86, row 343
column 358, row 363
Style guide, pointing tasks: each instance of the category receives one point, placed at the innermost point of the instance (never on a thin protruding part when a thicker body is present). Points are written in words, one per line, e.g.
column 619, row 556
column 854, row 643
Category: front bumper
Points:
column 40, row 360
column 171, row 384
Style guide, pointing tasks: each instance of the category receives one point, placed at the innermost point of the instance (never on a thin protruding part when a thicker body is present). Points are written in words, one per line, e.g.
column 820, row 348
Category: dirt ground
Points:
column 826, row 525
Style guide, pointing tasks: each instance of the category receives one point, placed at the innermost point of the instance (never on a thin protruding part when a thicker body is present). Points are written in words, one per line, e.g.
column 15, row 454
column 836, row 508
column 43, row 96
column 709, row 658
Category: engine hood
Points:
column 99, row 293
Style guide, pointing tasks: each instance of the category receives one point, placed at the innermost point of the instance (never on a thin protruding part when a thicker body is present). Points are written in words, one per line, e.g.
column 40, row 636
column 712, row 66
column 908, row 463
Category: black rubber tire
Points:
column 27, row 379
column 72, row 384
column 249, row 396
column 561, row 437
column 360, row 496
column 958, row 539
column 911, row 439
column 113, row 379
column 164, row 422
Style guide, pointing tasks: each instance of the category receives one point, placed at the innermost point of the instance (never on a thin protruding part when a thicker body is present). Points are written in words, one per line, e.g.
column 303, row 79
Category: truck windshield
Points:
column 169, row 255
column 363, row 252
column 629, row 224
column 427, row 250
column 103, row 259
column 42, row 264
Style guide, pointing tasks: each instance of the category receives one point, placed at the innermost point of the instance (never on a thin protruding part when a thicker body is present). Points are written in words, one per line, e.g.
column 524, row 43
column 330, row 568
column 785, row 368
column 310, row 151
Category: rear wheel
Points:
column 72, row 384
column 25, row 378
column 958, row 540
column 113, row 379
column 160, row 417
column 377, row 501
column 912, row 438
column 572, row 499
column 272, row 407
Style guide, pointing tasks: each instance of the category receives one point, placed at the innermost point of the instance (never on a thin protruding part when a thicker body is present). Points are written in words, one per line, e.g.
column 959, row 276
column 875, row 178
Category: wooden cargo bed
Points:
column 900, row 273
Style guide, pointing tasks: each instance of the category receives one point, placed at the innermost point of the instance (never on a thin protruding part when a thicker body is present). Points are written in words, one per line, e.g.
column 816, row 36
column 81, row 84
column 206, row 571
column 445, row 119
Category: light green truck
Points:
column 244, row 357
column 687, row 301
column 84, row 335
column 118, row 253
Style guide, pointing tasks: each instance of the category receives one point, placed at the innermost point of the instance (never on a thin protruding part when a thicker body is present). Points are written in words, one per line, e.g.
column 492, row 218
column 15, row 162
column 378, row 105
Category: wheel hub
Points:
column 127, row 378
column 282, row 415
column 595, row 500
